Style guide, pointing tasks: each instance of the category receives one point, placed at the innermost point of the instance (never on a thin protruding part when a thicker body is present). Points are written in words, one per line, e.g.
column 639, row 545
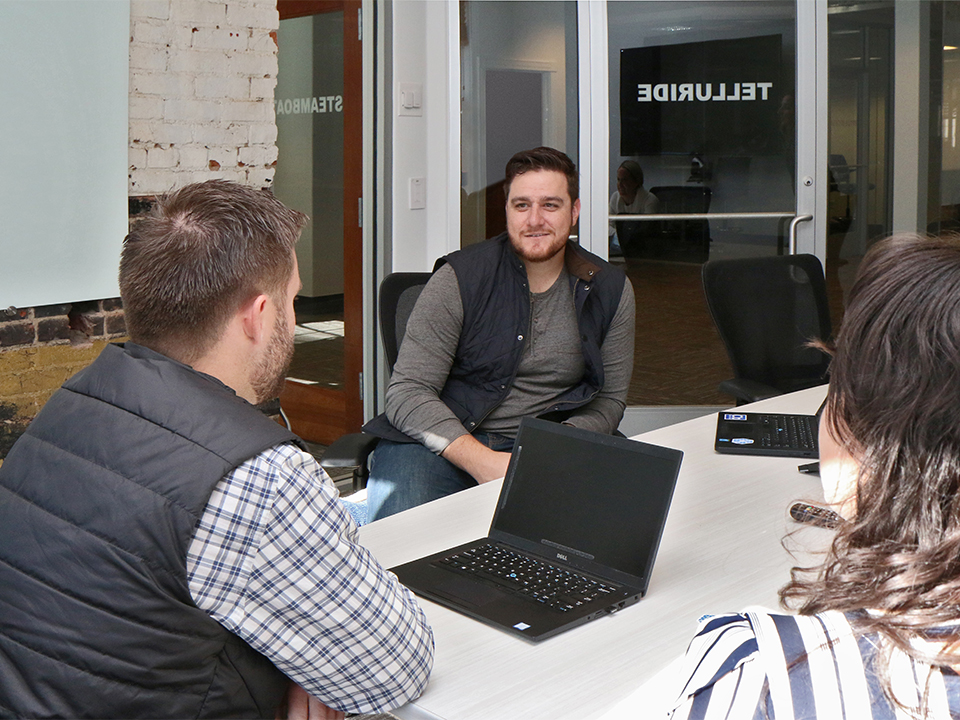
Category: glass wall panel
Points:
column 309, row 177
column 702, row 107
column 860, row 117
column 518, row 69
column 948, row 213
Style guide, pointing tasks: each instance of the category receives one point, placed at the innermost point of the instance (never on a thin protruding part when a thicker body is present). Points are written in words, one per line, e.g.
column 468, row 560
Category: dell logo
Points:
column 561, row 556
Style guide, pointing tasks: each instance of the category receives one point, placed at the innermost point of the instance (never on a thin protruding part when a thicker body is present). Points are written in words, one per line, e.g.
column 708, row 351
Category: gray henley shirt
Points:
column 551, row 363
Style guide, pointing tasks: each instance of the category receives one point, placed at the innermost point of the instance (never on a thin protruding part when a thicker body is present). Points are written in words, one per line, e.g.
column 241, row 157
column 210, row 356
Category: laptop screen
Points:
column 591, row 496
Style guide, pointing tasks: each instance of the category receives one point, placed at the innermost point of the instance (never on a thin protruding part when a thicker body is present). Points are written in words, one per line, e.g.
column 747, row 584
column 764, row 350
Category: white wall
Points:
column 422, row 54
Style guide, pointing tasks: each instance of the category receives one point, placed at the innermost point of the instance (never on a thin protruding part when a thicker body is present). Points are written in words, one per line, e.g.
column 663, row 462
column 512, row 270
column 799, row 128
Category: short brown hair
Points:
column 200, row 254
column 543, row 158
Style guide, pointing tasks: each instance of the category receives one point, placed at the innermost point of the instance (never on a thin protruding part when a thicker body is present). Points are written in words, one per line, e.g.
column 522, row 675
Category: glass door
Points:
column 318, row 103
column 707, row 160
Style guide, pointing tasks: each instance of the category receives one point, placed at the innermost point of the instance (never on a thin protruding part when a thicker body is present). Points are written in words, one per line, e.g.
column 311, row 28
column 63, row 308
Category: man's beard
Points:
column 270, row 374
column 541, row 255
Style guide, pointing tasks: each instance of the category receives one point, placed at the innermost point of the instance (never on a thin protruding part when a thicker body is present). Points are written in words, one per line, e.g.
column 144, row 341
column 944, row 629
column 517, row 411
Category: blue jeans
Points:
column 404, row 475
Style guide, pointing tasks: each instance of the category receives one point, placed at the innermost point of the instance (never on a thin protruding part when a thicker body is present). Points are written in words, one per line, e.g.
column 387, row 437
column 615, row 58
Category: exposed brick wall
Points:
column 202, row 76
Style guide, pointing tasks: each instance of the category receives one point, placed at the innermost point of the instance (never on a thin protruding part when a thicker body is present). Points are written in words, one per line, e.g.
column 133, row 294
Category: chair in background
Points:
column 690, row 238
column 398, row 294
column 767, row 310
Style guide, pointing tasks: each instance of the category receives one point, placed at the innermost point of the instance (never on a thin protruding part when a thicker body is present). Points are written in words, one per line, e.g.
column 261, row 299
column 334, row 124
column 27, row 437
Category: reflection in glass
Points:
column 859, row 207
column 518, row 68
column 309, row 177
column 702, row 100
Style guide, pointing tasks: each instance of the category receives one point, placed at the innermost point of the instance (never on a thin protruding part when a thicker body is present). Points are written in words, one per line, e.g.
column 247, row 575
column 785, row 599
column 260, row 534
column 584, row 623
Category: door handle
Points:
column 792, row 234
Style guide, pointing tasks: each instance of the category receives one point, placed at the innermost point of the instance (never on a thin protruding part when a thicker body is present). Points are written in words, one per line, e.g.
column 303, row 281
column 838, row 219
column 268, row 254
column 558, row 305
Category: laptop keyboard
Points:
column 551, row 585
column 787, row 431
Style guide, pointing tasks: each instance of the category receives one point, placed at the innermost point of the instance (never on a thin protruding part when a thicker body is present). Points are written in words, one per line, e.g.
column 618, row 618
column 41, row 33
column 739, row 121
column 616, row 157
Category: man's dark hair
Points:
column 543, row 158
column 199, row 255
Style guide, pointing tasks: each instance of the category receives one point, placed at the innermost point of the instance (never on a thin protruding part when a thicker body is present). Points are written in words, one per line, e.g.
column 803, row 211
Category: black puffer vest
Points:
column 98, row 503
column 496, row 318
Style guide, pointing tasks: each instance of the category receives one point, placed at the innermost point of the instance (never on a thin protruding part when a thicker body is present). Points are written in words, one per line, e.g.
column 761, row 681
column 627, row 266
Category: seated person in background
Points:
column 526, row 324
column 166, row 550
column 630, row 198
column 878, row 635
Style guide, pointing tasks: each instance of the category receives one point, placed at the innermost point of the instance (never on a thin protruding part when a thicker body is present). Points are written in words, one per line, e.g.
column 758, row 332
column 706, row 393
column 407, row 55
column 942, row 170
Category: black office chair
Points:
column 398, row 294
column 767, row 310
column 689, row 238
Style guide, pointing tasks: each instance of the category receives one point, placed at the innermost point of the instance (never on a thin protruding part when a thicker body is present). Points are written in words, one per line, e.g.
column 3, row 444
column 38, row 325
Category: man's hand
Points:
column 472, row 456
column 302, row 706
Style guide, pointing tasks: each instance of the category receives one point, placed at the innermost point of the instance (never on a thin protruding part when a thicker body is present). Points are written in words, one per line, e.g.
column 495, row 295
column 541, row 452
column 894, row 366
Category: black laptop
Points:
column 574, row 535
column 748, row 433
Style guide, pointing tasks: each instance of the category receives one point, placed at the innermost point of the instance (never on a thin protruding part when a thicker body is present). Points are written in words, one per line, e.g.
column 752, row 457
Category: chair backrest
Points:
column 683, row 198
column 675, row 199
column 398, row 294
column 766, row 310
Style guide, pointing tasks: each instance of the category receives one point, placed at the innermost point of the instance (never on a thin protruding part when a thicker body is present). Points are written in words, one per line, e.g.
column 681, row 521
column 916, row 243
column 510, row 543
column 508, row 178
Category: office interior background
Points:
column 389, row 123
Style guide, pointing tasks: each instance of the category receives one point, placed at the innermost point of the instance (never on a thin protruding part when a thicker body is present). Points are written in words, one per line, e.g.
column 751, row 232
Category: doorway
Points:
column 703, row 99
column 318, row 103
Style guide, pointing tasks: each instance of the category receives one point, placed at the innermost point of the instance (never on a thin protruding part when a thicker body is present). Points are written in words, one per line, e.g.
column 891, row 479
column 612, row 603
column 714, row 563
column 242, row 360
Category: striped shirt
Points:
column 275, row 560
column 758, row 665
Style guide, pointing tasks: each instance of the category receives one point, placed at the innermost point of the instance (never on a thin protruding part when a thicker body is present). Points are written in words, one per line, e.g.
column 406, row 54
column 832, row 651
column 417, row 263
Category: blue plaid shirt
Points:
column 275, row 560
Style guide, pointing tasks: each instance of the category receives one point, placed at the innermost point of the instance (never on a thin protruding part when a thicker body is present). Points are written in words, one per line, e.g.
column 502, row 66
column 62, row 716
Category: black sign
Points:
column 720, row 97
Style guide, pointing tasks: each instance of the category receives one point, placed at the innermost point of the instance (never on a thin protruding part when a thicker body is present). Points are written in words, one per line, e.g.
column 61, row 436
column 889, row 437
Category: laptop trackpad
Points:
column 466, row 592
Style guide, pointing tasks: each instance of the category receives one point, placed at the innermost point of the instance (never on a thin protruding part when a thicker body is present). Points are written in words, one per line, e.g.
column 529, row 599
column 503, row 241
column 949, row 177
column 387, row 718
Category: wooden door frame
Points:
column 321, row 414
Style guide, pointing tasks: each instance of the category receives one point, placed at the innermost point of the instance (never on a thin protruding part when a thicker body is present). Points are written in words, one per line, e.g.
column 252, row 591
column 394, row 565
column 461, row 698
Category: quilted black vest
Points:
column 99, row 500
column 496, row 317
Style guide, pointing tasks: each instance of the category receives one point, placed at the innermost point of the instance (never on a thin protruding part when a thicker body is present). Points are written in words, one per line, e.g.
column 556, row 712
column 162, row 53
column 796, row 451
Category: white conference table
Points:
column 721, row 551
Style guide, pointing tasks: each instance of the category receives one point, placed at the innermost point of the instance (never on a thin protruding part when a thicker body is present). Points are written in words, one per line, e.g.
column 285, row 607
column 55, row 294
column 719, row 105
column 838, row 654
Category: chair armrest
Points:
column 349, row 450
column 748, row 390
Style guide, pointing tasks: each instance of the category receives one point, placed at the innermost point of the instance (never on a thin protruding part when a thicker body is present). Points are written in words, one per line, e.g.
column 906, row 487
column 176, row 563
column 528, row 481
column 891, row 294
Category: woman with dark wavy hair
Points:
column 878, row 634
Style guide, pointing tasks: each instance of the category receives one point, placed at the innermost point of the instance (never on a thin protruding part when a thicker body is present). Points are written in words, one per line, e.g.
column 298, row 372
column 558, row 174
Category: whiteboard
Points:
column 63, row 149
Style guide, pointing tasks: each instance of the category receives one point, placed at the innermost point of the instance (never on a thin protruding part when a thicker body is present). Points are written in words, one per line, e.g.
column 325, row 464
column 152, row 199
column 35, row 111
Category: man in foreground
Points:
column 165, row 549
column 526, row 324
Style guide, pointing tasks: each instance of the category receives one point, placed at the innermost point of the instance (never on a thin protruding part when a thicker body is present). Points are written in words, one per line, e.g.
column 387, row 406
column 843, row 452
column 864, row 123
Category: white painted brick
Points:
column 160, row 157
column 248, row 111
column 254, row 64
column 199, row 12
column 213, row 62
column 262, row 88
column 262, row 41
column 236, row 134
column 260, row 177
column 211, row 86
column 146, row 57
column 145, row 108
column 263, row 134
column 208, row 134
column 207, row 38
column 181, row 37
column 149, row 182
column 141, row 131
column 137, row 157
column 191, row 111
column 225, row 156
column 232, row 174
column 258, row 155
column 167, row 85
column 177, row 52
column 193, row 157
column 260, row 15
column 159, row 9
column 169, row 133
column 151, row 33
